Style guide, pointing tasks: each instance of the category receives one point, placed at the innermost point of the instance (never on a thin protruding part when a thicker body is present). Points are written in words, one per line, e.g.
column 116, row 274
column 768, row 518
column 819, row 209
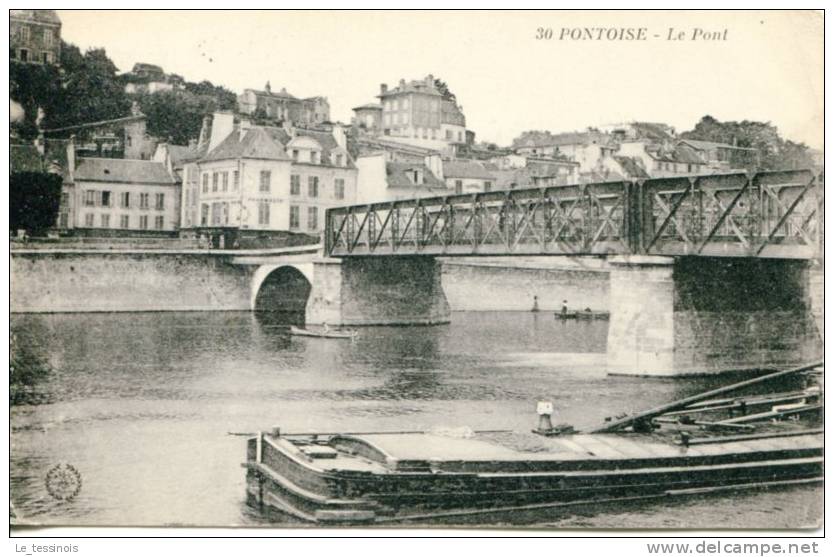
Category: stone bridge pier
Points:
column 694, row 315
column 378, row 291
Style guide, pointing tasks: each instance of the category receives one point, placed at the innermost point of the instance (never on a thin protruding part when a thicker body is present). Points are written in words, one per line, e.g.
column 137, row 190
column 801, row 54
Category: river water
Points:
column 147, row 406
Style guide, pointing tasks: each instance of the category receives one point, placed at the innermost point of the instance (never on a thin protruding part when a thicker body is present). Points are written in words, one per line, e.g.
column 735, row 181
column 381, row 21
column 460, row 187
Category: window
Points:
column 295, row 184
column 225, row 181
column 295, row 220
column 124, row 200
column 215, row 179
column 24, row 55
column 105, row 199
column 89, row 198
column 64, row 198
column 205, row 182
column 236, row 180
column 46, row 57
column 160, row 202
column 143, row 222
column 266, row 177
column 340, row 188
column 263, row 213
column 124, row 221
column 225, row 213
column 487, row 185
column 144, row 200
column 449, row 135
column 458, row 186
column 24, row 33
column 204, row 210
column 295, row 155
column 159, row 222
column 105, row 221
column 48, row 37
column 88, row 220
column 313, row 186
column 315, row 157
column 312, row 218
column 216, row 215
column 340, row 160
column 63, row 221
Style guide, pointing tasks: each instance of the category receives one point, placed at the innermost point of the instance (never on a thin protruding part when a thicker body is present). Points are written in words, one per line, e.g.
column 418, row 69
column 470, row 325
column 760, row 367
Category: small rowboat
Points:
column 582, row 315
column 296, row 331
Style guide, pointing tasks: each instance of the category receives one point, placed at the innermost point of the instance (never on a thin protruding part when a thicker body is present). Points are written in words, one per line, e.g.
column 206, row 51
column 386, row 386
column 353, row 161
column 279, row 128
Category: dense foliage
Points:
column 34, row 200
column 774, row 151
column 87, row 88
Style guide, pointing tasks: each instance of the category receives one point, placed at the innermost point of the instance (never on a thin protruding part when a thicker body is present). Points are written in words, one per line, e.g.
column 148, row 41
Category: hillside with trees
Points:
column 88, row 88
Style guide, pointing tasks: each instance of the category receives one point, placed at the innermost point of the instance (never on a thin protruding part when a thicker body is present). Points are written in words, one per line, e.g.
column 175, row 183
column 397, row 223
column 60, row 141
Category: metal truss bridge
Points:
column 776, row 214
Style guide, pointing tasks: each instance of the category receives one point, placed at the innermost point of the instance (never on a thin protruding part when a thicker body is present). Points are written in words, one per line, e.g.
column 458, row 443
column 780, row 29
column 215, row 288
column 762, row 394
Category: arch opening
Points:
column 283, row 295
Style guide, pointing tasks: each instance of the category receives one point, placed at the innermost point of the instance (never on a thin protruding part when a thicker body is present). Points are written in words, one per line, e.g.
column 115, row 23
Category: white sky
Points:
column 770, row 68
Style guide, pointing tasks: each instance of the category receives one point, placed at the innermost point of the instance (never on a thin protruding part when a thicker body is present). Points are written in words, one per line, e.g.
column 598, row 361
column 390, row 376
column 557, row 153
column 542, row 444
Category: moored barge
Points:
column 379, row 478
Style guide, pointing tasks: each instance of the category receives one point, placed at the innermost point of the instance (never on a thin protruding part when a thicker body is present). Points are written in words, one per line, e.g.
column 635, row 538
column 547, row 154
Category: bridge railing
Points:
column 767, row 214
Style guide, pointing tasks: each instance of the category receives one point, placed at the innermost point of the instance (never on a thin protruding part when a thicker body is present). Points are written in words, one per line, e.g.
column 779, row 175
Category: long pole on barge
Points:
column 682, row 403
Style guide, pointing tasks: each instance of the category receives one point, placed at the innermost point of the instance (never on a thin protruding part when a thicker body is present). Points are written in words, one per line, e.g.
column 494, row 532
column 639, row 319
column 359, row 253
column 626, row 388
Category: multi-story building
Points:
column 469, row 176
column 266, row 182
column 660, row 163
column 721, row 156
column 382, row 179
column 587, row 148
column 125, row 137
column 34, row 36
column 416, row 113
column 283, row 107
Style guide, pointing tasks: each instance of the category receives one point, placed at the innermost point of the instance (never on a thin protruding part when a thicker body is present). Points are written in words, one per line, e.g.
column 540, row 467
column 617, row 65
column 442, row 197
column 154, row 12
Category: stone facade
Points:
column 85, row 282
column 34, row 36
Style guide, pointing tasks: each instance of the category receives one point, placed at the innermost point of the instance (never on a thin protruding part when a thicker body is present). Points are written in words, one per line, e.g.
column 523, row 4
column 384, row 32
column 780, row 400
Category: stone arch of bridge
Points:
column 281, row 287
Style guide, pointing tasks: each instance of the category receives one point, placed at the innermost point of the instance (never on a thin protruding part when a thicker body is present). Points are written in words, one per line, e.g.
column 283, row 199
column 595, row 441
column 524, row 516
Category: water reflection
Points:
column 143, row 404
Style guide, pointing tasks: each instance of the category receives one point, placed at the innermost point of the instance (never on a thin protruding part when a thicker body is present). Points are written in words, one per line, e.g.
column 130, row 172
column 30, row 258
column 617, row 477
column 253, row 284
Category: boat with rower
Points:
column 323, row 333
column 711, row 442
column 583, row 314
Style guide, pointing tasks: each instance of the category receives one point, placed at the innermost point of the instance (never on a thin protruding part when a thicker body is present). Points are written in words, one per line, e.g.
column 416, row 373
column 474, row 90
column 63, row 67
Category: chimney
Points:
column 383, row 88
column 435, row 164
column 402, row 84
column 71, row 157
column 268, row 87
column 430, row 80
column 205, row 131
column 339, row 136
column 222, row 125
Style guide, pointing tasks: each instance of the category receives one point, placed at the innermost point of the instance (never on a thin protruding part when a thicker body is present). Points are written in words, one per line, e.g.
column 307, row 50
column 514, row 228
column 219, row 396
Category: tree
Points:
column 176, row 115
column 90, row 91
column 34, row 200
column 441, row 86
column 774, row 152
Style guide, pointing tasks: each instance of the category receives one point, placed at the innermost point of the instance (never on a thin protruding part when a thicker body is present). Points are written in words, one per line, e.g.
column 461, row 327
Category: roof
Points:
column 687, row 154
column 123, row 120
column 181, row 154
column 257, row 142
column 128, row 171
column 396, row 176
column 282, row 94
column 368, row 106
column 515, row 177
column 269, row 143
column 709, row 145
column 570, row 138
column 631, row 167
column 38, row 16
column 414, row 86
column 467, row 169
